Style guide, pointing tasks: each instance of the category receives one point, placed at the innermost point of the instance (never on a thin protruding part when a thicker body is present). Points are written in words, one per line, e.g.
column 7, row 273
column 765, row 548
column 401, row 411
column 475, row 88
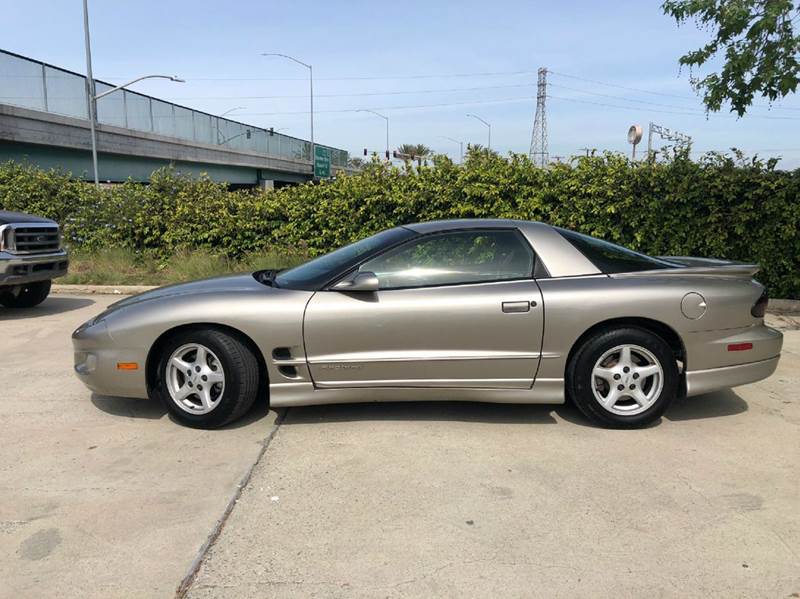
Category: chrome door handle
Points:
column 516, row 307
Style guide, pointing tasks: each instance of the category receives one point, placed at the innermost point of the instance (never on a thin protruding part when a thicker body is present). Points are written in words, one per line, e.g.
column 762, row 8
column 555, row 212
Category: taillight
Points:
column 740, row 346
column 760, row 307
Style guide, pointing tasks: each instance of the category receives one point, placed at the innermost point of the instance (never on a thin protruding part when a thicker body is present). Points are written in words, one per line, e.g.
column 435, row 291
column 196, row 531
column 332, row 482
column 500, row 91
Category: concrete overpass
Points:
column 43, row 121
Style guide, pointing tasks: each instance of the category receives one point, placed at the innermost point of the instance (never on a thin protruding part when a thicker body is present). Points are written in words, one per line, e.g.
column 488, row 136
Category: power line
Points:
column 582, row 91
column 348, row 78
column 633, row 89
column 371, row 78
column 406, row 107
column 647, row 91
column 695, row 114
column 357, row 94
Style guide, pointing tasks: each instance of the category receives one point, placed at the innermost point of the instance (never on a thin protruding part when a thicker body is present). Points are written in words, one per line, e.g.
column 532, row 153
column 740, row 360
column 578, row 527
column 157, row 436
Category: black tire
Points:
column 241, row 372
column 29, row 296
column 581, row 381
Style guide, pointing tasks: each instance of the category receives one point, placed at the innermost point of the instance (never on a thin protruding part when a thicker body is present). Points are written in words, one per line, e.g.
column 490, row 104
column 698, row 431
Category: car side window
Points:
column 454, row 258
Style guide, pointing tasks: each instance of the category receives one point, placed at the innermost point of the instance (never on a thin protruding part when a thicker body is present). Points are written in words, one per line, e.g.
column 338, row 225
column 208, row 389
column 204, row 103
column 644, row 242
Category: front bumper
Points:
column 97, row 362
column 21, row 269
column 713, row 379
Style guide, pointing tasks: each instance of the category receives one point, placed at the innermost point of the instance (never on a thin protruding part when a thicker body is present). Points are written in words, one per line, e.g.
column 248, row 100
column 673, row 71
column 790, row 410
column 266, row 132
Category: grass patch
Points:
column 124, row 267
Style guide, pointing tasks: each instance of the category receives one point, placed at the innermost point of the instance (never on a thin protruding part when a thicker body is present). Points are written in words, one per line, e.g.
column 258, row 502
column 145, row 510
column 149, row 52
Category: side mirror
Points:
column 362, row 281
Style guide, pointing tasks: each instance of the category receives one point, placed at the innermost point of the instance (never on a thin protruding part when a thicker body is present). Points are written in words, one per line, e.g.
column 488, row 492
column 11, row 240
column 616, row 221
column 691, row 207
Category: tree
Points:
column 761, row 50
column 414, row 150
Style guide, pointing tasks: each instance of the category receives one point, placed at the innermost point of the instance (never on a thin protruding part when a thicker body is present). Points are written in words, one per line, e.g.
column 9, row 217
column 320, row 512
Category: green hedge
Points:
column 719, row 206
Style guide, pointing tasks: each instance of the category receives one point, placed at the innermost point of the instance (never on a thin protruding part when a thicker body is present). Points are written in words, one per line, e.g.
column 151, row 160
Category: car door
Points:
column 452, row 309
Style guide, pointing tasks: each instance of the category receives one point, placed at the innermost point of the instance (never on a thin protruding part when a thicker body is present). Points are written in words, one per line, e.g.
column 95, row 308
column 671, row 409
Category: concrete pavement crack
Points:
column 194, row 568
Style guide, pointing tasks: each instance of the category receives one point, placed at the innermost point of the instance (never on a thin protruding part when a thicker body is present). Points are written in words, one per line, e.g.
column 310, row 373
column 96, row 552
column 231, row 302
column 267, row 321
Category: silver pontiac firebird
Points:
column 477, row 310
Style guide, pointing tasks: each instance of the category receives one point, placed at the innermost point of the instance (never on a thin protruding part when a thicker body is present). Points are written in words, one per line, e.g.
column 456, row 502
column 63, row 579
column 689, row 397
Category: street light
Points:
column 311, row 95
column 132, row 81
column 475, row 116
column 230, row 110
column 220, row 141
column 93, row 97
column 460, row 143
column 385, row 118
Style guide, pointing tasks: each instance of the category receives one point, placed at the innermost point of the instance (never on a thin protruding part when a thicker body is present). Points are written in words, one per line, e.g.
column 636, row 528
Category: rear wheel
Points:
column 623, row 378
column 206, row 378
column 29, row 295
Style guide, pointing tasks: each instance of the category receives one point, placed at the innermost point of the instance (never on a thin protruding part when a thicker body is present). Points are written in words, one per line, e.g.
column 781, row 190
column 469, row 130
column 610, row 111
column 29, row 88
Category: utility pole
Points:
column 539, row 153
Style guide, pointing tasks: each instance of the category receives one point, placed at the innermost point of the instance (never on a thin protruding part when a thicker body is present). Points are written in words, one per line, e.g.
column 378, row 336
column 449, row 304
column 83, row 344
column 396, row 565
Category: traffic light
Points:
column 387, row 154
column 365, row 151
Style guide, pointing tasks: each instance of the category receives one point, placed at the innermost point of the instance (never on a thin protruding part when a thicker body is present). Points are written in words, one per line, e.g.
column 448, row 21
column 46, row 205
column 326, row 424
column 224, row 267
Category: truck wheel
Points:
column 29, row 296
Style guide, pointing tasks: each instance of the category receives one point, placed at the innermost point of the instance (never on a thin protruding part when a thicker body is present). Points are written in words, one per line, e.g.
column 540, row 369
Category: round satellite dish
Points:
column 635, row 134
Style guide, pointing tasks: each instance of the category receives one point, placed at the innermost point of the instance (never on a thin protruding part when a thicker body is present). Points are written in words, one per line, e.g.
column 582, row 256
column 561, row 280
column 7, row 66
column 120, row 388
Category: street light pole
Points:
column 90, row 90
column 311, row 94
column 460, row 144
column 93, row 97
column 385, row 118
column 475, row 116
column 230, row 110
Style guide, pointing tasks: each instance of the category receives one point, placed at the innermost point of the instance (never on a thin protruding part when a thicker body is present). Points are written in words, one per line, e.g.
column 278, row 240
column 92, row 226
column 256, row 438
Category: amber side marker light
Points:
column 127, row 366
column 740, row 346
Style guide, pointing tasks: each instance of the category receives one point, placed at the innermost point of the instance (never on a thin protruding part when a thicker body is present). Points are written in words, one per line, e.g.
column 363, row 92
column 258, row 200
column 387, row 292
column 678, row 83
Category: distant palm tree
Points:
column 414, row 150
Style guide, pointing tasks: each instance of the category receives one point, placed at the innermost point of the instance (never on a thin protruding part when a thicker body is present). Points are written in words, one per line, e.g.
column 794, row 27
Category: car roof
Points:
column 472, row 223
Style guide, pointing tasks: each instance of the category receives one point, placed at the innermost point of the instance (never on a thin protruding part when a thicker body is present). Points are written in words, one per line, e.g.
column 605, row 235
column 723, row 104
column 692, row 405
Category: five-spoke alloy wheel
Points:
column 195, row 378
column 623, row 378
column 206, row 377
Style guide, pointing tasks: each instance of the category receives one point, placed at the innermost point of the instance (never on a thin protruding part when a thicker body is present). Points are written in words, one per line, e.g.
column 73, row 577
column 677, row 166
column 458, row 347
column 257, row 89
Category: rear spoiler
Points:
column 701, row 267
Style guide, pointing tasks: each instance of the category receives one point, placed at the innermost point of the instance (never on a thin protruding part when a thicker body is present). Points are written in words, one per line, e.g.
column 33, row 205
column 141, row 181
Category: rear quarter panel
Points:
column 573, row 305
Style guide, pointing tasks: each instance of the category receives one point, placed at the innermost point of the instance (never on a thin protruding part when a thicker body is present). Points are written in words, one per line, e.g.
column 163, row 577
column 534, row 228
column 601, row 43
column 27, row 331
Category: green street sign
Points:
column 322, row 162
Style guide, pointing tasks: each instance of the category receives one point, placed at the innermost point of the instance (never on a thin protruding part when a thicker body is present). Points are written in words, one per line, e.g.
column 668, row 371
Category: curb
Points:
column 101, row 289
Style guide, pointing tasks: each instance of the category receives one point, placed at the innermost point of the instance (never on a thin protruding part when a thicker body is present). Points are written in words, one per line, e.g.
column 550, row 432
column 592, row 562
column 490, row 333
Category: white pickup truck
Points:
column 31, row 256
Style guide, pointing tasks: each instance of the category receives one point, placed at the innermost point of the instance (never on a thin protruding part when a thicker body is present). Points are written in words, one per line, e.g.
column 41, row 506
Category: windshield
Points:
column 610, row 258
column 312, row 275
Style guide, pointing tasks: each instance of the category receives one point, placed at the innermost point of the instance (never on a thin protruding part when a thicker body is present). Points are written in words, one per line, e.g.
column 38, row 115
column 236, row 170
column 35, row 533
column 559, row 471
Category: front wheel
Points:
column 206, row 378
column 623, row 378
column 29, row 295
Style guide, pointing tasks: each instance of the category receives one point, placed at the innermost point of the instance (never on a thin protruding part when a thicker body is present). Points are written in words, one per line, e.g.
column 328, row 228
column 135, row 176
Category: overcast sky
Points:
column 423, row 64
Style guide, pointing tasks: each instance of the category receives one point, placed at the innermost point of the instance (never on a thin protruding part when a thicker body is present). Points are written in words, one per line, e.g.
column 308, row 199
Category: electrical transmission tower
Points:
column 539, row 153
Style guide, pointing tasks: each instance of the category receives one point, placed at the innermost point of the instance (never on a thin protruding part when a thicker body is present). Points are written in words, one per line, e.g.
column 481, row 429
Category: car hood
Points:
column 241, row 283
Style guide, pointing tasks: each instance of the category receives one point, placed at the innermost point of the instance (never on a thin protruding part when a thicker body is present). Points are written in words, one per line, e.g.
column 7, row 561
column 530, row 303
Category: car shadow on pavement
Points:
column 129, row 407
column 423, row 411
column 711, row 405
column 49, row 307
column 150, row 409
